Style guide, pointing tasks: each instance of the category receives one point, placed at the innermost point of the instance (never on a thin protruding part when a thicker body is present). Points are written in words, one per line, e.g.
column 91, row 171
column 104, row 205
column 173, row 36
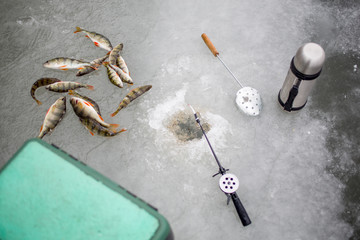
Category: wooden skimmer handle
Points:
column 209, row 44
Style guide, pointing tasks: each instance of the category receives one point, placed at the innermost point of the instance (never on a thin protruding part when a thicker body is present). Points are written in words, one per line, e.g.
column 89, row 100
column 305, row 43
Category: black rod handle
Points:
column 244, row 217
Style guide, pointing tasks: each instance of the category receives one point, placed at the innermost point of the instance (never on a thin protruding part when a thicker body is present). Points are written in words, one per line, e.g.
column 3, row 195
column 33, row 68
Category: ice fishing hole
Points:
column 184, row 127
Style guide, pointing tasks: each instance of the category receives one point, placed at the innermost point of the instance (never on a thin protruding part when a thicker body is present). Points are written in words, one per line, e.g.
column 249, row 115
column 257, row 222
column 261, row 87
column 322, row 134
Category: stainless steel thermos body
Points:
column 305, row 68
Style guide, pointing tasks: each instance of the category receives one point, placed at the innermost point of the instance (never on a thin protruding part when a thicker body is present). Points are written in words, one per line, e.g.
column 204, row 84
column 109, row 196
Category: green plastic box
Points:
column 47, row 194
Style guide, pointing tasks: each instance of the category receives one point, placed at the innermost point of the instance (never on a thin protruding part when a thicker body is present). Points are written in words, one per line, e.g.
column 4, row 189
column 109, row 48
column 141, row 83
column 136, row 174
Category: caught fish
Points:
column 113, row 76
column 84, row 71
column 123, row 76
column 94, row 63
column 94, row 104
column 131, row 96
column 95, row 127
column 66, row 86
column 120, row 62
column 84, row 109
column 115, row 53
column 40, row 83
column 98, row 39
column 53, row 116
column 64, row 63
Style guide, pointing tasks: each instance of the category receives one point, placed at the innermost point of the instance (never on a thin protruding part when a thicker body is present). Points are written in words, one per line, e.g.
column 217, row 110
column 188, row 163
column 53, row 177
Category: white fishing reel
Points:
column 228, row 183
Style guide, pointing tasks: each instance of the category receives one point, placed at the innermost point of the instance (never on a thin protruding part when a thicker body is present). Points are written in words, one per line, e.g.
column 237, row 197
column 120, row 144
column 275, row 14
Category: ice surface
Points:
column 293, row 168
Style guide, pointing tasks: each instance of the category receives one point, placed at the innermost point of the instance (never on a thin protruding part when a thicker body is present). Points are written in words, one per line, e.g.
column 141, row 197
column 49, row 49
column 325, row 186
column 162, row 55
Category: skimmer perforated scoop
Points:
column 247, row 98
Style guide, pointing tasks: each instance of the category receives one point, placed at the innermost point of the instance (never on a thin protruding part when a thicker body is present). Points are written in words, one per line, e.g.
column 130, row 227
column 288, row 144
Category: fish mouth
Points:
column 72, row 100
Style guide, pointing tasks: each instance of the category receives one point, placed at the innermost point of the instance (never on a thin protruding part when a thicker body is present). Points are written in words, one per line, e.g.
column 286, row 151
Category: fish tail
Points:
column 113, row 127
column 114, row 113
column 122, row 130
column 78, row 29
column 90, row 87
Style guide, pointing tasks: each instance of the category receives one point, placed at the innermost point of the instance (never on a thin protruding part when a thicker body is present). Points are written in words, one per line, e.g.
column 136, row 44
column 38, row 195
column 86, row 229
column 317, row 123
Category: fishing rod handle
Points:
column 209, row 44
column 244, row 217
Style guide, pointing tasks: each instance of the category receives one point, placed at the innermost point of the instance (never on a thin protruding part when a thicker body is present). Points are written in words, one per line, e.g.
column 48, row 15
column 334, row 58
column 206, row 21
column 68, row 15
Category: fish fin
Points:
column 41, row 128
column 90, row 87
column 64, row 69
column 38, row 102
column 48, row 111
column 91, row 132
column 97, row 44
column 93, row 67
column 71, row 92
column 113, row 127
column 113, row 114
column 122, row 130
column 89, row 104
column 108, row 53
column 78, row 29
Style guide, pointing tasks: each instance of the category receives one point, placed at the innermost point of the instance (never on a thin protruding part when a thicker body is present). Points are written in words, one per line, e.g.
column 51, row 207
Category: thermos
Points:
column 305, row 68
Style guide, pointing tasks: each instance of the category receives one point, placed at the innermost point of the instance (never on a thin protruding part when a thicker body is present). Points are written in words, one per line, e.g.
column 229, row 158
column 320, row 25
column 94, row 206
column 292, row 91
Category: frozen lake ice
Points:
column 299, row 173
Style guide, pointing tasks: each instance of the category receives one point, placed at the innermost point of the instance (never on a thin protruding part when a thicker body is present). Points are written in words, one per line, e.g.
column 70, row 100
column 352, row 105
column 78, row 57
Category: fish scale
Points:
column 40, row 83
column 123, row 76
column 131, row 96
column 115, row 52
column 95, row 127
column 98, row 39
column 95, row 105
column 87, row 69
column 54, row 115
column 122, row 64
column 64, row 63
column 113, row 76
column 83, row 109
column 66, row 86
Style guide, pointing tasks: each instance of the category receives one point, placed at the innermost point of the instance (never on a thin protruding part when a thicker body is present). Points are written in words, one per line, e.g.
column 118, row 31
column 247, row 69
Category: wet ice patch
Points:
column 183, row 126
column 27, row 21
column 161, row 119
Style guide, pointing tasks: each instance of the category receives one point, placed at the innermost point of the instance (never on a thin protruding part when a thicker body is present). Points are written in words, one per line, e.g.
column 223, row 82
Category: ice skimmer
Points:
column 247, row 98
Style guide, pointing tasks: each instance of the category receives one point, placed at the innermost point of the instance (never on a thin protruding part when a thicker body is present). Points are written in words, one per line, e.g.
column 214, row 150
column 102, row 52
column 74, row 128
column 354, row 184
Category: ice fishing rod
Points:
column 228, row 182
